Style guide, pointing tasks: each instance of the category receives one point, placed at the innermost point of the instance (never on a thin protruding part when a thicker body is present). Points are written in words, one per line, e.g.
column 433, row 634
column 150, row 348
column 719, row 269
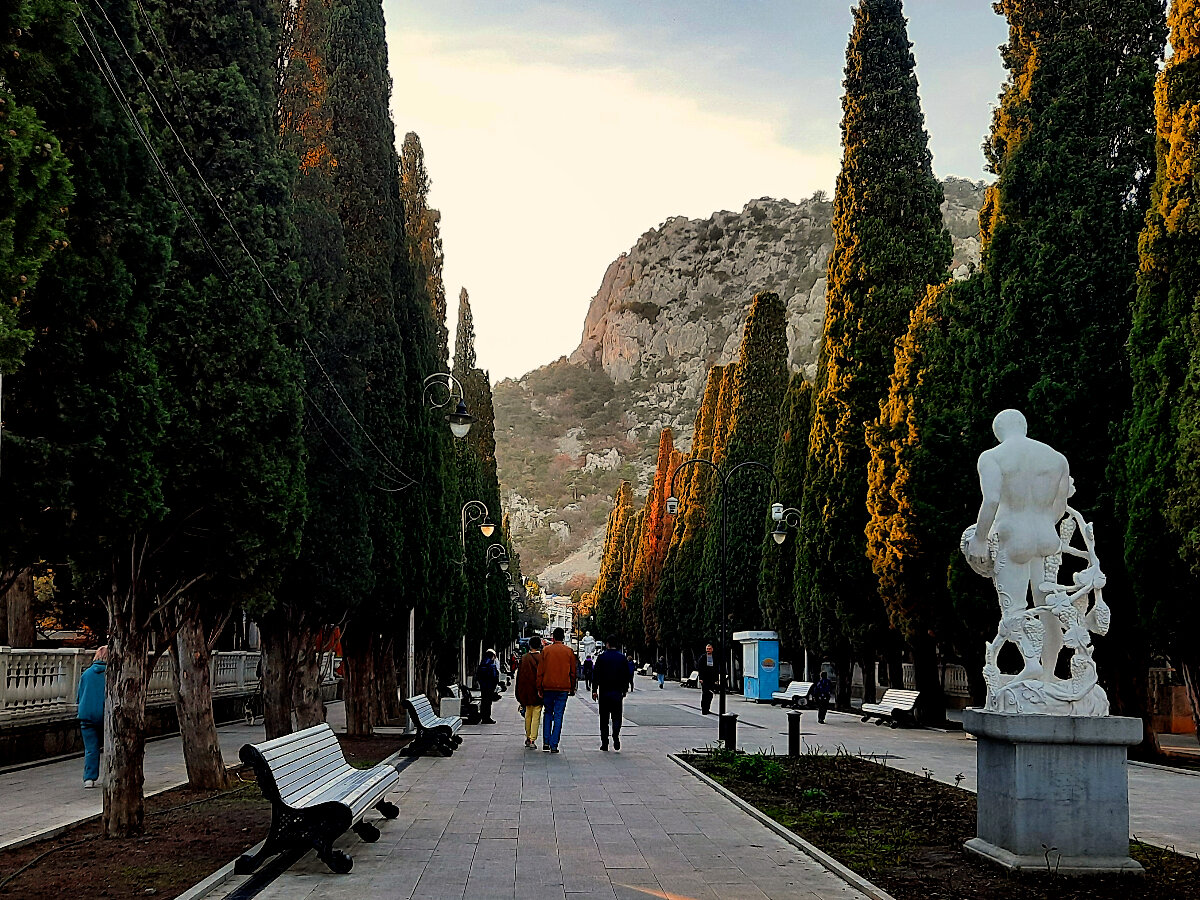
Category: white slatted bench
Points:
column 894, row 705
column 315, row 795
column 692, row 680
column 434, row 733
column 795, row 694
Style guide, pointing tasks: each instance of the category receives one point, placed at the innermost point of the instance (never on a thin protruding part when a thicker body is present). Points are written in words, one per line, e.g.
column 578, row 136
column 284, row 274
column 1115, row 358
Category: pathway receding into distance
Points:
column 497, row 820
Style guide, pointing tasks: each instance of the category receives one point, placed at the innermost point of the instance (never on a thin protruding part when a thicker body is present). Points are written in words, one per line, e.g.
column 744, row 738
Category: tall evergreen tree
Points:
column 87, row 413
column 227, row 341
column 35, row 186
column 675, row 600
column 1159, row 486
column 424, row 238
column 777, row 581
column 758, row 383
column 606, row 594
column 889, row 243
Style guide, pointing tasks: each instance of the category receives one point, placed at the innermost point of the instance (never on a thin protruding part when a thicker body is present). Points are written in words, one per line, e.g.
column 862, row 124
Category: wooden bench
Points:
column 434, row 733
column 795, row 694
column 315, row 796
column 692, row 680
column 895, row 704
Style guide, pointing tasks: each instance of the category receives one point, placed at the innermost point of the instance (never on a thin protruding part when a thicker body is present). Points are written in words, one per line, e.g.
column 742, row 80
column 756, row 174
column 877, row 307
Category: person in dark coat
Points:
column 588, row 665
column 820, row 693
column 487, row 678
column 527, row 692
column 89, row 702
column 610, row 676
column 632, row 669
column 660, row 669
column 709, row 668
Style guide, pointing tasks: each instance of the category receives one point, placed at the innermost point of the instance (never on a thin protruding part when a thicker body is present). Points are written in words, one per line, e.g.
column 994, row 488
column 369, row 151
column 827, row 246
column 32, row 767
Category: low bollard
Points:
column 794, row 733
column 727, row 731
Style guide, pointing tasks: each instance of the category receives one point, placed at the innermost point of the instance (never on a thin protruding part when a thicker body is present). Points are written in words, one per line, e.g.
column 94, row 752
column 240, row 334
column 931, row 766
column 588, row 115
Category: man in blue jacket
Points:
column 89, row 700
column 610, row 679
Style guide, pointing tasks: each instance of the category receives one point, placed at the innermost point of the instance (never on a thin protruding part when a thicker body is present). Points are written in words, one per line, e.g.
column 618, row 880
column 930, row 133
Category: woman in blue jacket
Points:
column 90, row 702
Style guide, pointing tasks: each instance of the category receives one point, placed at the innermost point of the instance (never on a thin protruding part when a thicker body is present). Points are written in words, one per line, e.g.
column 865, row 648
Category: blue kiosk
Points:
column 760, row 664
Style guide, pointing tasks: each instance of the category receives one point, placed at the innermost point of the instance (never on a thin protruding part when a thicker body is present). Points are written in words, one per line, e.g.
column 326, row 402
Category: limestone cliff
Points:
column 666, row 310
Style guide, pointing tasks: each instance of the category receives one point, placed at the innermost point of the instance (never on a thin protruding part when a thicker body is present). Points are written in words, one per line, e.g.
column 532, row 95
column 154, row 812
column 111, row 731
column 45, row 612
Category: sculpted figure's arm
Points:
column 990, row 482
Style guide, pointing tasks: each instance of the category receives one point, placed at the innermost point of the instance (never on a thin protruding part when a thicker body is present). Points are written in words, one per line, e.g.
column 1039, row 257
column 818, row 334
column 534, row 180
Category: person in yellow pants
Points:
column 527, row 690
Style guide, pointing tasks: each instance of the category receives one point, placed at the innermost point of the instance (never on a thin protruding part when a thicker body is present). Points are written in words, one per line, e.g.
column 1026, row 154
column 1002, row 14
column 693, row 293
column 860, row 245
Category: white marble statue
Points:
column 1024, row 528
column 587, row 646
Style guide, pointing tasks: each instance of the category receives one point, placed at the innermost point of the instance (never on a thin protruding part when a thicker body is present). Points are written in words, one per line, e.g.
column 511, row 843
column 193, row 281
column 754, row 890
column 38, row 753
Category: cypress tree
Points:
column 777, row 580
column 675, row 601
column 889, row 243
column 606, row 594
column 86, row 414
column 759, row 381
column 1159, row 489
column 35, row 185
column 227, row 341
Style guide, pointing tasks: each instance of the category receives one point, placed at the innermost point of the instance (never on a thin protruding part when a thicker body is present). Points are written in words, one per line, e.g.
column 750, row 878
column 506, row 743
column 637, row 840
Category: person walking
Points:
column 709, row 669
column 609, row 679
column 527, row 690
column 632, row 667
column 820, row 693
column 89, row 702
column 557, row 679
column 487, row 678
column 588, row 665
column 660, row 669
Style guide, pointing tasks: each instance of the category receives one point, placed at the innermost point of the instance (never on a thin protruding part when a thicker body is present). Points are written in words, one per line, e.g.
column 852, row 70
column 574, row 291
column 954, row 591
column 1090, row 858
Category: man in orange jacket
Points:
column 556, row 679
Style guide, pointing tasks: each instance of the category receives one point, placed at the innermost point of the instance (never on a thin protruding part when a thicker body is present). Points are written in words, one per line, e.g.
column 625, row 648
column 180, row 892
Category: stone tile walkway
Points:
column 498, row 821
column 53, row 795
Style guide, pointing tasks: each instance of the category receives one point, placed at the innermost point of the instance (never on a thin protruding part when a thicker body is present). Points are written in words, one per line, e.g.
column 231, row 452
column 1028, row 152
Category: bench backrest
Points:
column 423, row 710
column 695, row 676
column 800, row 688
column 899, row 699
column 289, row 767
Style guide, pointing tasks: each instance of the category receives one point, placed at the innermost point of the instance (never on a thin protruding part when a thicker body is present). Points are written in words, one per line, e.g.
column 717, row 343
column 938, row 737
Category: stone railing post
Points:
column 5, row 656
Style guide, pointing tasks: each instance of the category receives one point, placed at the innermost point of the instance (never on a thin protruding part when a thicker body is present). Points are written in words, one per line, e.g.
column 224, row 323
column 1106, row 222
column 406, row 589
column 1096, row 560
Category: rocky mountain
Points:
column 666, row 311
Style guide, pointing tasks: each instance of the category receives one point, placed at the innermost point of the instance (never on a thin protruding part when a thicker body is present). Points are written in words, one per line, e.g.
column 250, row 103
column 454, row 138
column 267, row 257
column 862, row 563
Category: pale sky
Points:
column 556, row 134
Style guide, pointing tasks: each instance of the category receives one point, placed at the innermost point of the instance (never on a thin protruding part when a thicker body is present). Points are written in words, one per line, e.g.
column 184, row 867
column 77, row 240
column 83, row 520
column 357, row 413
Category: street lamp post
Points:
column 473, row 511
column 460, row 420
column 726, row 724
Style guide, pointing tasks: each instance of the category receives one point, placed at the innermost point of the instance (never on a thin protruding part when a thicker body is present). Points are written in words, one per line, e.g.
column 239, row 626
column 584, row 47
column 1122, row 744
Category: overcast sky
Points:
column 557, row 133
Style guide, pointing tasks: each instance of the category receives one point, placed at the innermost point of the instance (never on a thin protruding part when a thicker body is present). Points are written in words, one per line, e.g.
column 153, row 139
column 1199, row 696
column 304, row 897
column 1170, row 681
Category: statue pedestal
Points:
column 1053, row 782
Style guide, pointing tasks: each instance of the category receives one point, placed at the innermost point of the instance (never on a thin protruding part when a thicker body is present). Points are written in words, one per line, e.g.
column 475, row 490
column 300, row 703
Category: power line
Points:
column 110, row 78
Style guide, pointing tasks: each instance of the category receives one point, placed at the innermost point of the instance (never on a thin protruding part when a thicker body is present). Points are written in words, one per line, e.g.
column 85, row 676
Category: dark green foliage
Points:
column 228, row 327
column 777, row 579
column 889, row 244
column 1159, row 491
column 758, row 381
column 35, row 187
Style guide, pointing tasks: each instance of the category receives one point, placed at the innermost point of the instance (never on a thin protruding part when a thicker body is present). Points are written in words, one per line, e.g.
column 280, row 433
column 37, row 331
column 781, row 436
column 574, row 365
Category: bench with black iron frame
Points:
column 315, row 795
column 895, row 706
column 435, row 734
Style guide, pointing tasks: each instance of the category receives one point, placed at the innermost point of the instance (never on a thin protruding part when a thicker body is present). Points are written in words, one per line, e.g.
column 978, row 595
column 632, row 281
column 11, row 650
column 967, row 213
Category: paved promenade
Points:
column 495, row 818
column 498, row 821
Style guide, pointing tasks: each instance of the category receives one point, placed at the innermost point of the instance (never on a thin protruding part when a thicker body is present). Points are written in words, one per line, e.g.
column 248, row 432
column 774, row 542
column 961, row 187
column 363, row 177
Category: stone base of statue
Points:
column 1053, row 792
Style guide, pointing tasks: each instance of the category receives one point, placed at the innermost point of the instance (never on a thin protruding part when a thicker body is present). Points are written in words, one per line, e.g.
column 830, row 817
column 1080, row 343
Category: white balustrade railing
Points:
column 39, row 685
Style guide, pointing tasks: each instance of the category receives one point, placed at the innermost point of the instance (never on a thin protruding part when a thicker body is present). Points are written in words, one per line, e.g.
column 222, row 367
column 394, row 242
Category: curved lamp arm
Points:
column 441, row 384
column 496, row 552
column 473, row 511
column 790, row 517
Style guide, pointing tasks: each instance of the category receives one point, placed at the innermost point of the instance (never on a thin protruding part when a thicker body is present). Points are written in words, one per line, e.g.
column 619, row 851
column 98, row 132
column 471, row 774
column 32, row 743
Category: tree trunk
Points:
column 868, row 670
column 1191, row 680
column 425, row 674
column 388, row 696
column 277, row 655
column 124, row 728
column 306, row 687
column 19, row 597
column 194, row 706
column 929, row 681
column 359, row 661
column 844, row 667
